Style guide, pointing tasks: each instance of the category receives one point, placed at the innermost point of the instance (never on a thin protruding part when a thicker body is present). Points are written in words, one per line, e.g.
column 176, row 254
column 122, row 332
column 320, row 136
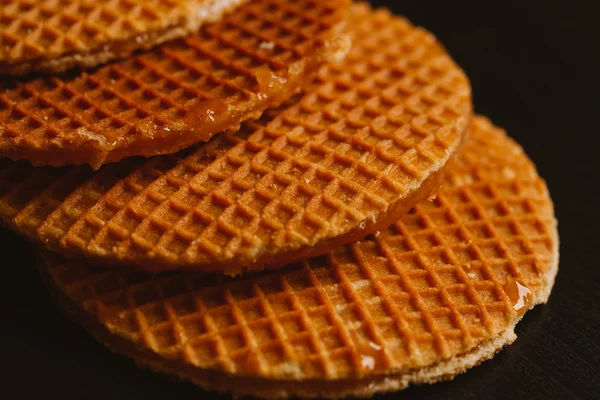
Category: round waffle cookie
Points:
column 437, row 292
column 370, row 139
column 55, row 35
column 176, row 95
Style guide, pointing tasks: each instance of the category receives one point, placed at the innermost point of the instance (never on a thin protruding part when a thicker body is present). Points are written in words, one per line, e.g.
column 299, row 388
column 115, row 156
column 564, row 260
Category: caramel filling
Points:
column 519, row 295
column 209, row 115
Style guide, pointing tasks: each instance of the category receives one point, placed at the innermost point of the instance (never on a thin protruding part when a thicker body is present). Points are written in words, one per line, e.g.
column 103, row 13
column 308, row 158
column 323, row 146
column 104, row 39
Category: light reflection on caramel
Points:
column 519, row 295
column 209, row 115
column 371, row 355
column 268, row 82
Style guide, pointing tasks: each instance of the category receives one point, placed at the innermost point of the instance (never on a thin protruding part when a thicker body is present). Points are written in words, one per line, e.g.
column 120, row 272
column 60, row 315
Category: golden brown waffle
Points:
column 176, row 95
column 371, row 138
column 55, row 35
column 438, row 291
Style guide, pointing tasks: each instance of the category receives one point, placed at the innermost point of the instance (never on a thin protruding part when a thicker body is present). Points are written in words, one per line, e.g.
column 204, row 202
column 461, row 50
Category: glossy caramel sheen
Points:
column 443, row 280
column 519, row 295
column 177, row 94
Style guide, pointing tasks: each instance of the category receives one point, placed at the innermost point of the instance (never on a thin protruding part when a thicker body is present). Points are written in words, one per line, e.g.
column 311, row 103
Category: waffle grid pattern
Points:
column 429, row 287
column 48, row 29
column 198, row 85
column 363, row 138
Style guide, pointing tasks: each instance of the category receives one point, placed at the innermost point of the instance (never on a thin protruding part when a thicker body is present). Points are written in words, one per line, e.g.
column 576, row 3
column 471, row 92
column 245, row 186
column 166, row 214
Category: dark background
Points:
column 533, row 68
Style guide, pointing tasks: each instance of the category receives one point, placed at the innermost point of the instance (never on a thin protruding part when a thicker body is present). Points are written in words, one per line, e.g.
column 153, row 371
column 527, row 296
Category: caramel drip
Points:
column 148, row 127
column 268, row 82
column 519, row 295
column 209, row 115
column 371, row 355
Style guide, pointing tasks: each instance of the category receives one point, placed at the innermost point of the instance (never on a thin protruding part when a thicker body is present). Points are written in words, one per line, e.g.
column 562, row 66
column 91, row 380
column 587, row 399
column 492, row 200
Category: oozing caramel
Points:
column 372, row 357
column 519, row 295
column 210, row 115
column 268, row 82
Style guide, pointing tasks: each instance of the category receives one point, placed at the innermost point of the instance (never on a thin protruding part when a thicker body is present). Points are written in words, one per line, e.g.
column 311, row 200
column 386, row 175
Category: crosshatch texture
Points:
column 55, row 35
column 366, row 137
column 176, row 95
column 430, row 287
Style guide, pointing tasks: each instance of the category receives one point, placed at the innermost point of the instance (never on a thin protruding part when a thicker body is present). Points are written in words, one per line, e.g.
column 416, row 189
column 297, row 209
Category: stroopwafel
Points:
column 177, row 94
column 56, row 35
column 436, row 293
column 371, row 138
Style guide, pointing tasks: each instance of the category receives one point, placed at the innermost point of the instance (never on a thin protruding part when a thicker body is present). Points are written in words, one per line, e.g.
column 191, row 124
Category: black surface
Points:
column 534, row 71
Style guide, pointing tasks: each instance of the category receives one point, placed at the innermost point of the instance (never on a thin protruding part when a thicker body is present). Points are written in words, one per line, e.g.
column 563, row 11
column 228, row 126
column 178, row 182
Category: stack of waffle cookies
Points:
column 267, row 197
